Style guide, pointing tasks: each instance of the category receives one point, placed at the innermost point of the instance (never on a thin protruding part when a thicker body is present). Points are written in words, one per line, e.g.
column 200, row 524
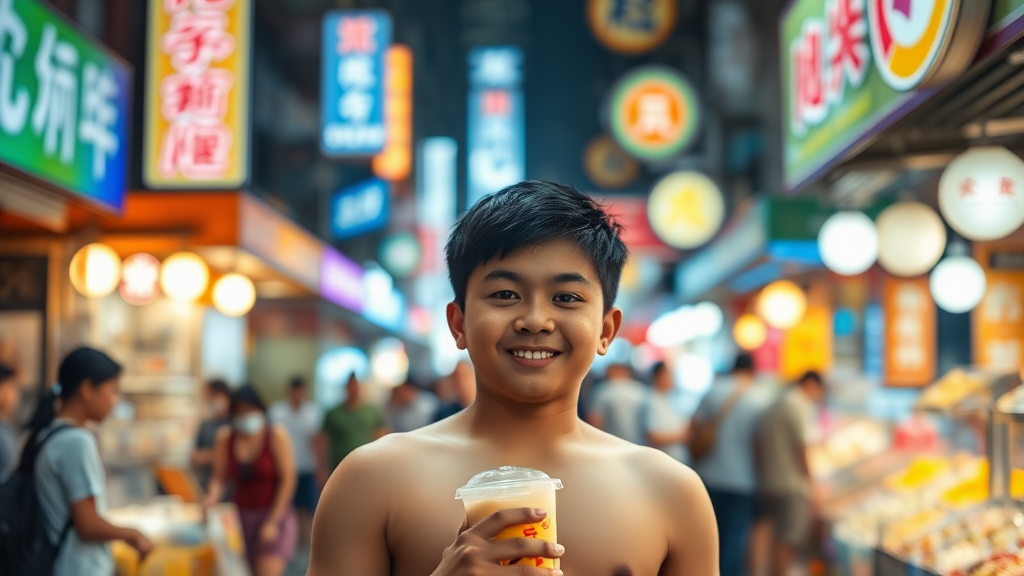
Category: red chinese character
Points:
column 357, row 34
column 538, row 561
column 496, row 103
column 847, row 45
column 196, row 95
column 214, row 4
column 530, row 532
column 197, row 38
column 195, row 151
column 808, row 76
column 967, row 187
column 1006, row 186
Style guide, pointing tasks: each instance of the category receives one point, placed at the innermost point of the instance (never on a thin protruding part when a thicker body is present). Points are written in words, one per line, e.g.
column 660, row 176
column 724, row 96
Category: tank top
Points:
column 256, row 481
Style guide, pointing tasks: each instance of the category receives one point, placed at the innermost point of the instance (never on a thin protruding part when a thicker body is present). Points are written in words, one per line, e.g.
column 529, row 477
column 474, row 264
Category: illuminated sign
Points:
column 352, row 82
column 654, row 113
column 496, row 141
column 64, row 104
column 197, row 94
column 607, row 164
column 359, row 208
column 910, row 328
column 341, row 280
column 631, row 26
column 686, row 209
column 395, row 162
column 140, row 279
column 266, row 233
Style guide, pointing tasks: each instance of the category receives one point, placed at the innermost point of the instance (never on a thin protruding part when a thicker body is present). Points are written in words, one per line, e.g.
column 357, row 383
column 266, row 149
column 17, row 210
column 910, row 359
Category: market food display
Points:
column 999, row 564
column 952, row 389
column 848, row 445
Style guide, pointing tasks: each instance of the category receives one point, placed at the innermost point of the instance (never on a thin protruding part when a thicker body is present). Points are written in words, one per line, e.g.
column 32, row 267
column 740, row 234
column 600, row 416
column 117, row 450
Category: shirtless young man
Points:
column 535, row 268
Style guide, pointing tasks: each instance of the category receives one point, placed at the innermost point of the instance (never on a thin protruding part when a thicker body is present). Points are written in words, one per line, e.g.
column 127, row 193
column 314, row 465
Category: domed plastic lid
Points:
column 505, row 482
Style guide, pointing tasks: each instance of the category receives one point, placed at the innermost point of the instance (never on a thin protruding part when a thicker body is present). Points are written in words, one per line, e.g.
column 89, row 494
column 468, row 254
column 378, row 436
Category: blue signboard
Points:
column 359, row 209
column 64, row 104
column 496, row 143
column 352, row 102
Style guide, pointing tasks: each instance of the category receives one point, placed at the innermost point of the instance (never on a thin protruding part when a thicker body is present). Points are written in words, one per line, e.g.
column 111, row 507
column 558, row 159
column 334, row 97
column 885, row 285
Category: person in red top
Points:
column 256, row 457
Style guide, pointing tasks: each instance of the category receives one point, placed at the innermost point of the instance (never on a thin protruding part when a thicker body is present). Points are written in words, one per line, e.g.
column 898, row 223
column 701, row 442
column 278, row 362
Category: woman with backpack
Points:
column 61, row 460
column 256, row 457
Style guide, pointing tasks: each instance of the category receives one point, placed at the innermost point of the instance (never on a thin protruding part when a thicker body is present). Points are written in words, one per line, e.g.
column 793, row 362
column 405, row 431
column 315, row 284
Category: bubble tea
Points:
column 510, row 487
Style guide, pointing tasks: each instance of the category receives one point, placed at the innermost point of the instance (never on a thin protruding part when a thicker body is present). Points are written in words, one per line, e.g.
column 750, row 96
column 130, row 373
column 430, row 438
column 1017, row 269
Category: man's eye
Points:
column 567, row 298
column 504, row 295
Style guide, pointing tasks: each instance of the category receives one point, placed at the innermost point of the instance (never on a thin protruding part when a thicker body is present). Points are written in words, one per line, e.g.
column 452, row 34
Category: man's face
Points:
column 297, row 395
column 814, row 391
column 663, row 381
column 533, row 322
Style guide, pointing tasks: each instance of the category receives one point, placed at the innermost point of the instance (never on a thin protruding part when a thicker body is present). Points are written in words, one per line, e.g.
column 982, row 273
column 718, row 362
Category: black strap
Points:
column 64, row 533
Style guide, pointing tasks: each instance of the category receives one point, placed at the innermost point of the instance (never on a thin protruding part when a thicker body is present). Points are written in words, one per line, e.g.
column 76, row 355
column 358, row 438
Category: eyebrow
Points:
column 564, row 278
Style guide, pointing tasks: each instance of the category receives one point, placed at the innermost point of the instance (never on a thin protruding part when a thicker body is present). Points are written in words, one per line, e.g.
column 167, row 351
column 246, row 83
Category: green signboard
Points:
column 851, row 68
column 64, row 105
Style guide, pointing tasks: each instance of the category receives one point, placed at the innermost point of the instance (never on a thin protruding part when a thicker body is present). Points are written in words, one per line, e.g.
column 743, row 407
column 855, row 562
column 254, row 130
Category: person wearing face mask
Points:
column 256, row 458
column 218, row 401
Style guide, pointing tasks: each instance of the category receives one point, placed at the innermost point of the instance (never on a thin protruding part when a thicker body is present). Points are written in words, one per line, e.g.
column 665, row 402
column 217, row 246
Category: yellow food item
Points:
column 950, row 390
column 921, row 471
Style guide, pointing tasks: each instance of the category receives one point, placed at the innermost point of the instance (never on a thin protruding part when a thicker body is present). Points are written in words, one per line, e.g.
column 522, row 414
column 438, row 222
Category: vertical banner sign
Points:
column 910, row 328
column 197, row 94
column 64, row 105
column 352, row 82
column 395, row 162
column 497, row 144
column 999, row 320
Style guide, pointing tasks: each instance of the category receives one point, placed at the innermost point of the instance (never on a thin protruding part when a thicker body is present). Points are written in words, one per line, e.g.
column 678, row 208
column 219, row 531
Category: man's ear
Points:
column 457, row 324
column 612, row 323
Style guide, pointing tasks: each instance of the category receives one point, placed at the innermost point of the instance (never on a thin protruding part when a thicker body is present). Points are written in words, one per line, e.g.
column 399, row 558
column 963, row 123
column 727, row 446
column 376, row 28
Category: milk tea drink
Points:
column 510, row 487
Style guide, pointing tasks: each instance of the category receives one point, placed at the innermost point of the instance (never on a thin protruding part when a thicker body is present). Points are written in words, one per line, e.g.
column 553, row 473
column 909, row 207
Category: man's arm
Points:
column 692, row 531
column 342, row 547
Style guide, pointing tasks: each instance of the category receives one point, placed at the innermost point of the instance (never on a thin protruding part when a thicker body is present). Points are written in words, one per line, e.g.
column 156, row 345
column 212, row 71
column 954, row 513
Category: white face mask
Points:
column 250, row 424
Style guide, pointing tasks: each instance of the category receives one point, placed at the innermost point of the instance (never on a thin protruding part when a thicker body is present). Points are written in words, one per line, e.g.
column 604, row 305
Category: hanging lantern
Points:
column 957, row 284
column 95, row 270
column 782, row 304
column 911, row 238
column 140, row 279
column 685, row 209
column 234, row 295
column 749, row 332
column 184, row 276
column 981, row 193
column 848, row 243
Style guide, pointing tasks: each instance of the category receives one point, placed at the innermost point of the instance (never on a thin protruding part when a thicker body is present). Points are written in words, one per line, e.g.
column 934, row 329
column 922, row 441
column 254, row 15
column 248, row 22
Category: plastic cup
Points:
column 510, row 487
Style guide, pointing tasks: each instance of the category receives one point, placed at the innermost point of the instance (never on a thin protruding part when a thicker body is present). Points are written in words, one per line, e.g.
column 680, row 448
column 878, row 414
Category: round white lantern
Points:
column 848, row 243
column 685, row 209
column 95, row 270
column 957, row 284
column 234, row 295
column 782, row 304
column 981, row 193
column 749, row 332
column 184, row 276
column 911, row 238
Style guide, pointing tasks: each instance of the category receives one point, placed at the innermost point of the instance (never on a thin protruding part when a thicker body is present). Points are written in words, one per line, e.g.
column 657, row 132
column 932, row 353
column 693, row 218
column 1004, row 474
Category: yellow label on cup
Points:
column 544, row 530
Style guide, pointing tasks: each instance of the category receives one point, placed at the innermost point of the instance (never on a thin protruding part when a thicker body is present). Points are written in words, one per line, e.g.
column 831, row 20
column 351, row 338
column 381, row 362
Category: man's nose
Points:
column 534, row 319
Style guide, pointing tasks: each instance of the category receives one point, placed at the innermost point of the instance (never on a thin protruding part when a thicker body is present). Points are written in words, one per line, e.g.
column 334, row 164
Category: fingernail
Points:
column 559, row 549
column 539, row 512
column 557, row 572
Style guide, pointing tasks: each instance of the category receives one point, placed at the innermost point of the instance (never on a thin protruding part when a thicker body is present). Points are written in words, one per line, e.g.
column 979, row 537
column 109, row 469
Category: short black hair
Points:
column 812, row 376
column 527, row 214
column 247, row 394
column 744, row 363
column 297, row 383
column 218, row 387
column 658, row 368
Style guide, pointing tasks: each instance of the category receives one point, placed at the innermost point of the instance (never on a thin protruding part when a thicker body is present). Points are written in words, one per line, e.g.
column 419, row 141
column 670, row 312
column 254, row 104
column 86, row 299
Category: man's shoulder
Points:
column 664, row 476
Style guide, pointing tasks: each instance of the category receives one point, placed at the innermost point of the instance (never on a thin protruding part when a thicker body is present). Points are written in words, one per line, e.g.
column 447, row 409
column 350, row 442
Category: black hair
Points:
column 81, row 365
column 744, row 363
column 218, row 387
column 297, row 383
column 813, row 376
column 6, row 374
column 247, row 394
column 527, row 214
column 658, row 368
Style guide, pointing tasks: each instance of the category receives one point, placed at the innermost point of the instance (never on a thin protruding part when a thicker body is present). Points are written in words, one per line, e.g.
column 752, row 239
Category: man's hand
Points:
column 269, row 533
column 141, row 544
column 476, row 551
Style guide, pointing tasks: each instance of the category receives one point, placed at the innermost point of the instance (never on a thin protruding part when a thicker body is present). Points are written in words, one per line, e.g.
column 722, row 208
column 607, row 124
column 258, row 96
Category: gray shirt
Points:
column 621, row 406
column 782, row 435
column 303, row 426
column 662, row 417
column 413, row 415
column 730, row 465
column 67, row 471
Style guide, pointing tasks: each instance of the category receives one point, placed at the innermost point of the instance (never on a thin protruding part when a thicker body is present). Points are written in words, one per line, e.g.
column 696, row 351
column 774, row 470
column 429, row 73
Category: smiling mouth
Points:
column 534, row 354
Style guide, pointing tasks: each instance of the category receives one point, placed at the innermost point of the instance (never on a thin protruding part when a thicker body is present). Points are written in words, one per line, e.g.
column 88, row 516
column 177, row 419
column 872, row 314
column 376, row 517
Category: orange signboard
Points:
column 999, row 319
column 395, row 162
column 808, row 345
column 910, row 332
column 196, row 131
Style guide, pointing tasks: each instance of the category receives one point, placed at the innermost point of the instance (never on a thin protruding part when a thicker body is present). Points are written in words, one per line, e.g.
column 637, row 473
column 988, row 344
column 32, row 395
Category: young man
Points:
column 10, row 397
column 218, row 401
column 462, row 383
column 784, row 491
column 302, row 419
column 666, row 428
column 410, row 408
column 618, row 405
column 348, row 426
column 535, row 269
